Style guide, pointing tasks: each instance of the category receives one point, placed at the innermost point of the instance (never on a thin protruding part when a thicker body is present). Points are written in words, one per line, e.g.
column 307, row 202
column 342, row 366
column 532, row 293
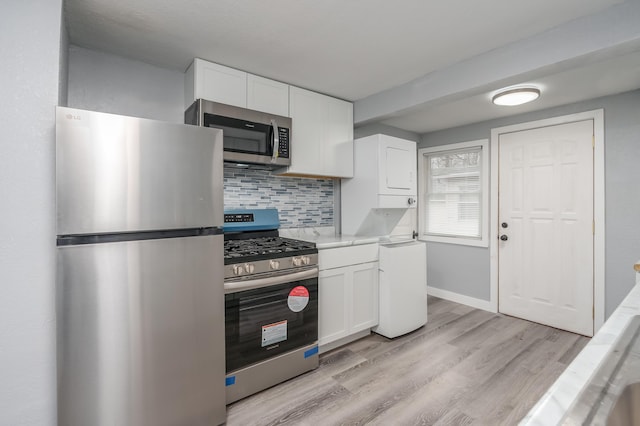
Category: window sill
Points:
column 472, row 242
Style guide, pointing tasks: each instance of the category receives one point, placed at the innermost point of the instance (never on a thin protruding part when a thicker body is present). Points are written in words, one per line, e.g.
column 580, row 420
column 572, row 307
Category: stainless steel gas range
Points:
column 271, row 303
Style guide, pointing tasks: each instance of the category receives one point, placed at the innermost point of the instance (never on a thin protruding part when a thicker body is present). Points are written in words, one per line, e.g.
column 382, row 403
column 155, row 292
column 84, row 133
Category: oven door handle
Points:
column 234, row 287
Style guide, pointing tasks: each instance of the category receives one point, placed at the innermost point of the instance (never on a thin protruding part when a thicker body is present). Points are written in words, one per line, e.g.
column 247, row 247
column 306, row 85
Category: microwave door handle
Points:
column 275, row 141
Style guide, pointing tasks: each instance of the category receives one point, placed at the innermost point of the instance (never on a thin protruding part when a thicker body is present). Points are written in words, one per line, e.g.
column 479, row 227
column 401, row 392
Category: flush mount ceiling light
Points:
column 516, row 96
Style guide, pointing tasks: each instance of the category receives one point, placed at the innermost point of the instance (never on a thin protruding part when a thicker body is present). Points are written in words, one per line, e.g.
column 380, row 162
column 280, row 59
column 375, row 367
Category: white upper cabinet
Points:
column 398, row 166
column 306, row 110
column 339, row 138
column 322, row 127
column 217, row 83
column 206, row 80
column 383, row 187
column 321, row 136
column 384, row 165
column 267, row 95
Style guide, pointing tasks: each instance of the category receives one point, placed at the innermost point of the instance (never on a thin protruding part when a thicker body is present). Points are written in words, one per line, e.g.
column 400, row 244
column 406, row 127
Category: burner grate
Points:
column 264, row 247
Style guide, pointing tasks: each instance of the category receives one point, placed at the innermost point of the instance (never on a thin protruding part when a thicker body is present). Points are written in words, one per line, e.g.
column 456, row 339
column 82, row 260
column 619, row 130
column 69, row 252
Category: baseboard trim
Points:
column 485, row 305
column 326, row 347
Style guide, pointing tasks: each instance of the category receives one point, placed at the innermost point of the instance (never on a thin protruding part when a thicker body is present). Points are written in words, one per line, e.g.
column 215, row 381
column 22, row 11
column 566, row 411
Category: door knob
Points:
column 504, row 225
column 504, row 237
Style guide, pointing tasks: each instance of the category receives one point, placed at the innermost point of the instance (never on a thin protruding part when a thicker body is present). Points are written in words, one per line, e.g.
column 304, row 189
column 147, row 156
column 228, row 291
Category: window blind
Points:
column 454, row 193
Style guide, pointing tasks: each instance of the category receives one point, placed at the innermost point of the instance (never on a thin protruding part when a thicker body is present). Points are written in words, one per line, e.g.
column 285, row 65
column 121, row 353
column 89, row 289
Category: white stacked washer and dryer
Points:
column 379, row 196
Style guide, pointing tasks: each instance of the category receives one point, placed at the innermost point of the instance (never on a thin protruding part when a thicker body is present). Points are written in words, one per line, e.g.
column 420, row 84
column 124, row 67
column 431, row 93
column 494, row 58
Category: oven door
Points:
column 269, row 316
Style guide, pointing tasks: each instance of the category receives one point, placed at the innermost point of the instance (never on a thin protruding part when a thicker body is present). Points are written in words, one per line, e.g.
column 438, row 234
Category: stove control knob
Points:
column 274, row 264
column 297, row 261
column 238, row 270
column 249, row 268
column 306, row 260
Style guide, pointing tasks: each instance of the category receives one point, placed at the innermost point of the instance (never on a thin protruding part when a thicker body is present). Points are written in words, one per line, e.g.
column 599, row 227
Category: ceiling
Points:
column 414, row 64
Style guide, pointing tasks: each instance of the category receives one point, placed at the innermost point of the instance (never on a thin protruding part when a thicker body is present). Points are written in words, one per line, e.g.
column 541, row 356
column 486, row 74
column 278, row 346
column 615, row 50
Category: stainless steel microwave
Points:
column 249, row 137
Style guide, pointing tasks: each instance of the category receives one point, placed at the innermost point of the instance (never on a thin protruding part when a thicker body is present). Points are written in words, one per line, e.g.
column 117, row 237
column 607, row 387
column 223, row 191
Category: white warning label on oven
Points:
column 274, row 333
column 298, row 298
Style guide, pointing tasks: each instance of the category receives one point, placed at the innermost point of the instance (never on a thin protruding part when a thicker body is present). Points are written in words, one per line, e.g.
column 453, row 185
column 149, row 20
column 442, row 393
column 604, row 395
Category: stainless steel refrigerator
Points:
column 140, row 308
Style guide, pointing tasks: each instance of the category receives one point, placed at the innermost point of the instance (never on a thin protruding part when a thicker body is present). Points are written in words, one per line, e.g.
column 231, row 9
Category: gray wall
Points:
column 376, row 128
column 63, row 63
column 622, row 176
column 109, row 83
column 30, row 47
column 459, row 269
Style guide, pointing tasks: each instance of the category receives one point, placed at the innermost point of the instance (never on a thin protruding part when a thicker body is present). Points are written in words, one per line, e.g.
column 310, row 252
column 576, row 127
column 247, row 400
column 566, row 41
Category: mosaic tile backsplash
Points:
column 301, row 203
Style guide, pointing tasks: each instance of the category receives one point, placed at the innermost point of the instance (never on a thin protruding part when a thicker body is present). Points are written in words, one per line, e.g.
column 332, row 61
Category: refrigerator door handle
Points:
column 234, row 287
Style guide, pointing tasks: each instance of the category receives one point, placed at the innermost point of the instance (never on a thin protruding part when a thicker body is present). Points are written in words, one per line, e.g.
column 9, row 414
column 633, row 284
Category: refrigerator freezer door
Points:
column 122, row 174
column 141, row 333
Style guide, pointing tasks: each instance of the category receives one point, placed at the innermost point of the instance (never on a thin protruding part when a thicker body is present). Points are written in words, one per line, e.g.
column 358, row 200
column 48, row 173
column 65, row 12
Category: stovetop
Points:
column 260, row 248
column 251, row 235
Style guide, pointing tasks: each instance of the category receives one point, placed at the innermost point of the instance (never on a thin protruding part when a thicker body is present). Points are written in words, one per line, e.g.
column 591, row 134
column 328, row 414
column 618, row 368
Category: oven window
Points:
column 265, row 322
column 242, row 136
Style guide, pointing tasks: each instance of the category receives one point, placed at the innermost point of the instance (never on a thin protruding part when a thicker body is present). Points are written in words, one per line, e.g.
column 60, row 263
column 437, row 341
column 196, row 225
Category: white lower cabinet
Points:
column 347, row 294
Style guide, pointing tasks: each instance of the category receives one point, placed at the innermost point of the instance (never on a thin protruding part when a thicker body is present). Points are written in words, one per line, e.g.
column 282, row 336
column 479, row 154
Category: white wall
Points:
column 622, row 205
column 30, row 51
column 109, row 83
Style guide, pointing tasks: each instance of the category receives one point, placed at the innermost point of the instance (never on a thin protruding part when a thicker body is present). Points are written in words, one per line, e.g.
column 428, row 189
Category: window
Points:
column 454, row 186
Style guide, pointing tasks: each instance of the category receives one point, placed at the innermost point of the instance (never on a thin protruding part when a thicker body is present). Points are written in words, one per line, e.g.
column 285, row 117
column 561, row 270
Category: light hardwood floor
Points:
column 466, row 366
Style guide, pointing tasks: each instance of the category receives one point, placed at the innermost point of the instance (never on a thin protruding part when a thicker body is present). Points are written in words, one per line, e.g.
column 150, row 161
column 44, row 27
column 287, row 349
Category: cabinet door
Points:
column 338, row 146
column 364, row 296
column 220, row 84
column 398, row 164
column 322, row 135
column 332, row 305
column 267, row 95
column 307, row 133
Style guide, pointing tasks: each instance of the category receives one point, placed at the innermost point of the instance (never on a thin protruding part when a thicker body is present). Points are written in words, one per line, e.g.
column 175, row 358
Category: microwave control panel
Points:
column 283, row 146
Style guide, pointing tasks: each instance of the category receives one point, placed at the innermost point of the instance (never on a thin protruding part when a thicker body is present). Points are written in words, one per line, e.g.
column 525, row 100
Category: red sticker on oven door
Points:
column 298, row 298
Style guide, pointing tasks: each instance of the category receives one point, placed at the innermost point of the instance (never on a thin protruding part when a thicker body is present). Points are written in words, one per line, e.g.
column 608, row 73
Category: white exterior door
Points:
column 546, row 219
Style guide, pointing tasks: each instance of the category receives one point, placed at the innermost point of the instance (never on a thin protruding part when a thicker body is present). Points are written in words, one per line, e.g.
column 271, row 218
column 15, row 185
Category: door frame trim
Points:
column 598, row 205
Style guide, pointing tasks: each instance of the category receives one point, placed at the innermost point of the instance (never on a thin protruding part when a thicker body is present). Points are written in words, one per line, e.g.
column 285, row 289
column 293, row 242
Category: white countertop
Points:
column 325, row 237
column 558, row 400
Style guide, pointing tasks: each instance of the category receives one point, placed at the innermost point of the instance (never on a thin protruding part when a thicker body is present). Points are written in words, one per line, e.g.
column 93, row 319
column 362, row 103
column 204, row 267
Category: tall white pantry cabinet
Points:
column 373, row 203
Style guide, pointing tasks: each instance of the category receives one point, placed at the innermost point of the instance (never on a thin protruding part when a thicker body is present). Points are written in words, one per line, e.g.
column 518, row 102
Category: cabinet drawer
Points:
column 345, row 256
